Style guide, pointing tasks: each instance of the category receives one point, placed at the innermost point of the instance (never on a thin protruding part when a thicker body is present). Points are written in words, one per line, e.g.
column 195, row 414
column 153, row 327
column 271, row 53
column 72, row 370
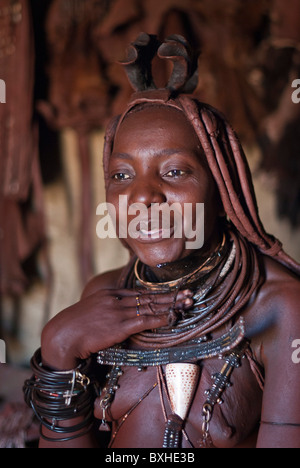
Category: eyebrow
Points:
column 122, row 156
column 161, row 153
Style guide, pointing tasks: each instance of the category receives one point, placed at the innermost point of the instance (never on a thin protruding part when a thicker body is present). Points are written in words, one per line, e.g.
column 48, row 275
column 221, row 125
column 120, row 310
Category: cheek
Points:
column 203, row 191
column 113, row 201
column 124, row 221
column 209, row 194
column 119, row 201
column 111, row 197
column 206, row 207
column 117, row 208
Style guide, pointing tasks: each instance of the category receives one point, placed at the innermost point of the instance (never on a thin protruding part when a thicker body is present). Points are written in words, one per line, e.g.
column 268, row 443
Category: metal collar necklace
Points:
column 209, row 264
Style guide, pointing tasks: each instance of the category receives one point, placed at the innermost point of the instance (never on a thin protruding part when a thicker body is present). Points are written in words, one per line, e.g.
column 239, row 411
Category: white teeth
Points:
column 156, row 233
column 150, row 233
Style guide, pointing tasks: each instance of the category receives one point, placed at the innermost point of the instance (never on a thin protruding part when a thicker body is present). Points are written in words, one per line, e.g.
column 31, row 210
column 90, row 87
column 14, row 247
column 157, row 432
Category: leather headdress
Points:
column 184, row 77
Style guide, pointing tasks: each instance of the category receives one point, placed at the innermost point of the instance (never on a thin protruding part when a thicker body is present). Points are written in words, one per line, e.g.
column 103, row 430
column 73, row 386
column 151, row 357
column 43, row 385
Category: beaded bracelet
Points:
column 60, row 396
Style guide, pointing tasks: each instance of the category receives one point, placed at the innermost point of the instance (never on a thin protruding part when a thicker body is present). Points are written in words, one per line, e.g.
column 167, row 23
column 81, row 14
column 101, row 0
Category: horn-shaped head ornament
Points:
column 138, row 65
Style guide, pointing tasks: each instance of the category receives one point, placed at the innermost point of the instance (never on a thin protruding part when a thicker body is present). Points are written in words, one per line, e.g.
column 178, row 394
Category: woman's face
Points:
column 157, row 160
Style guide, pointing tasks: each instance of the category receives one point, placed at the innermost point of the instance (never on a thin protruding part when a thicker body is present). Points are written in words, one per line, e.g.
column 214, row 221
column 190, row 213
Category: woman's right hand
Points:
column 104, row 319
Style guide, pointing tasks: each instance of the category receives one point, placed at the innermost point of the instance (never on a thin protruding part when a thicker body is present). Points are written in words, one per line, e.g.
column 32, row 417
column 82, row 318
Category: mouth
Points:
column 148, row 233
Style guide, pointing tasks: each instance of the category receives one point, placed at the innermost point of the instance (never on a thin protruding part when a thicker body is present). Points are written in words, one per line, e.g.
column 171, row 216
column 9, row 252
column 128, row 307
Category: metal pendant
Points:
column 182, row 380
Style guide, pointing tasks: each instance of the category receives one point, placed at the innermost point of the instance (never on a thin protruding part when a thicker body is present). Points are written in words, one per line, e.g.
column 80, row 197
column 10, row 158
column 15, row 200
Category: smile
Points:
column 165, row 221
column 154, row 235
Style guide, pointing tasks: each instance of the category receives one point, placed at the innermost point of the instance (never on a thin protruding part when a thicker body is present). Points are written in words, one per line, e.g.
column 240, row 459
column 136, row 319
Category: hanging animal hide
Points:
column 79, row 93
column 16, row 69
column 21, row 211
column 279, row 63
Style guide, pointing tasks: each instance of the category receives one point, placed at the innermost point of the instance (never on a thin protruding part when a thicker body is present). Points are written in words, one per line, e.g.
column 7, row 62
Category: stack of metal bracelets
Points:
column 60, row 396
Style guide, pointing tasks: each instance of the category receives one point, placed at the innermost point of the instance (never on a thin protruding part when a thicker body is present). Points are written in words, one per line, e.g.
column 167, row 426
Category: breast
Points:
column 139, row 408
column 235, row 420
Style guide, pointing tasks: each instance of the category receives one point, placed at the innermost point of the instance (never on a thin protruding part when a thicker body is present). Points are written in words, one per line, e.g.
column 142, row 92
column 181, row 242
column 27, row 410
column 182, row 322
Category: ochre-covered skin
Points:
column 99, row 321
column 182, row 151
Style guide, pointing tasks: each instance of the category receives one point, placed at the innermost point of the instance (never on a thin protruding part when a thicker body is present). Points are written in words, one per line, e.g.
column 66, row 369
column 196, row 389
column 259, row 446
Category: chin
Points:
column 162, row 252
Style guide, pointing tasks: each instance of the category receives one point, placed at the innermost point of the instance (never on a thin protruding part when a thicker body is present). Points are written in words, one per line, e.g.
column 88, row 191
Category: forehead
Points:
column 164, row 123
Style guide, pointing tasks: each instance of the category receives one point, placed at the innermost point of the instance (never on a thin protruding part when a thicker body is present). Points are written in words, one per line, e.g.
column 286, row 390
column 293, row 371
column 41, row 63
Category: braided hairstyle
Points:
column 222, row 148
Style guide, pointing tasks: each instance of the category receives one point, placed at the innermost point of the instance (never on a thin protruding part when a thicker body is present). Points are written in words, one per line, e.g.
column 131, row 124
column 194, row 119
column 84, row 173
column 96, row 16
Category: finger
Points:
column 122, row 293
column 155, row 303
column 147, row 322
column 162, row 305
column 149, row 310
column 151, row 296
column 164, row 298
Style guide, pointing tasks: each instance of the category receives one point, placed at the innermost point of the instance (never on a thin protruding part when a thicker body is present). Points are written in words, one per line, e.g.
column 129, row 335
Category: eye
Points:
column 121, row 176
column 175, row 173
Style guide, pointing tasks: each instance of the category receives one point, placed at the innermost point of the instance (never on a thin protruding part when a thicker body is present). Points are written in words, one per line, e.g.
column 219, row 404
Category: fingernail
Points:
column 188, row 302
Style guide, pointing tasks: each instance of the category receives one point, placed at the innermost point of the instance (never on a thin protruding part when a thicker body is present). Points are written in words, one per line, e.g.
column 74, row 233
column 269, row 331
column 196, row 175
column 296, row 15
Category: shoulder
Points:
column 281, row 289
column 273, row 314
column 279, row 302
column 279, row 330
column 108, row 280
column 279, row 294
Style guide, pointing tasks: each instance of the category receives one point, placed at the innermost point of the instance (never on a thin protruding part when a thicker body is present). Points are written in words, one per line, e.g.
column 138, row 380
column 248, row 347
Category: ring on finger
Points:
column 138, row 304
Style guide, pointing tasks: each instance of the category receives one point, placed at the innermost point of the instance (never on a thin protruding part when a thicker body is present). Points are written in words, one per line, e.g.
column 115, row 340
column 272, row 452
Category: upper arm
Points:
column 281, row 402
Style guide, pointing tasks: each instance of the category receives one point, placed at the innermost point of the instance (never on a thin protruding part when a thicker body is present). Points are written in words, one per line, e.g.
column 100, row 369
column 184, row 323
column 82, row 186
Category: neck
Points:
column 165, row 272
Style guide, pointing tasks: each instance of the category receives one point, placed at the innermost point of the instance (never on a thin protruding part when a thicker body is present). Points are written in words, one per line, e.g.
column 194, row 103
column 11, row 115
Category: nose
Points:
column 147, row 191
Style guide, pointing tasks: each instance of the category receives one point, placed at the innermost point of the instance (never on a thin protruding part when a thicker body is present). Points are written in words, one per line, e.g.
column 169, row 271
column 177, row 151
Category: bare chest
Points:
column 141, row 407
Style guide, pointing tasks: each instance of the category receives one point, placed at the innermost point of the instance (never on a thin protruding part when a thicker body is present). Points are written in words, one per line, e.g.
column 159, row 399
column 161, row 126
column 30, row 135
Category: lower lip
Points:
column 158, row 235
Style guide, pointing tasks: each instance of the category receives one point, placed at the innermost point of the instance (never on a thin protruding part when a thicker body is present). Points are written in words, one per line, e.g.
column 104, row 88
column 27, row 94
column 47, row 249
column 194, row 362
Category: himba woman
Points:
column 184, row 347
